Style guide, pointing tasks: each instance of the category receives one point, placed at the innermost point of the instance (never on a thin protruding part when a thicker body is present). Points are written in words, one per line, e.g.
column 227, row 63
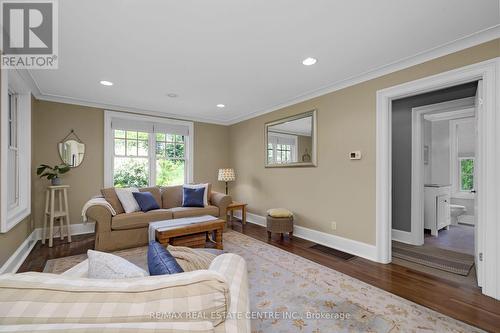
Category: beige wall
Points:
column 53, row 121
column 210, row 153
column 338, row 189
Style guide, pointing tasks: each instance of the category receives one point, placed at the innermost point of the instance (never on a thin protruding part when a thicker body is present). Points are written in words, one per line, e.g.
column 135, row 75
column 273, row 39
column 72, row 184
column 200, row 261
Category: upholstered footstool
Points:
column 279, row 220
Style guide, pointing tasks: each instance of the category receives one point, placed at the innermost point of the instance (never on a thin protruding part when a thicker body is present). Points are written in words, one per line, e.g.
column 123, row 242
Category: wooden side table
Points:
column 237, row 206
column 51, row 213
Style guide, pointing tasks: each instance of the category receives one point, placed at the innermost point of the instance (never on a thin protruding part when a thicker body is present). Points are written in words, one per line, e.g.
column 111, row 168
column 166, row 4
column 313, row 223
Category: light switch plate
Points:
column 355, row 155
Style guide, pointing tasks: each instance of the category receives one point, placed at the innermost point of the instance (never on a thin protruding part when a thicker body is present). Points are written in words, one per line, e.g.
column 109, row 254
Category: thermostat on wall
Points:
column 355, row 155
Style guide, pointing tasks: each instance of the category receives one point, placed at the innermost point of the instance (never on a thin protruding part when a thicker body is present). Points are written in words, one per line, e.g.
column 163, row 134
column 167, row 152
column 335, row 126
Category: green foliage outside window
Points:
column 169, row 172
column 466, row 174
column 131, row 173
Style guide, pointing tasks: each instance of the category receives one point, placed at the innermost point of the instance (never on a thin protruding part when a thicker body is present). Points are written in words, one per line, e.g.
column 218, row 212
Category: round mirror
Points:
column 72, row 152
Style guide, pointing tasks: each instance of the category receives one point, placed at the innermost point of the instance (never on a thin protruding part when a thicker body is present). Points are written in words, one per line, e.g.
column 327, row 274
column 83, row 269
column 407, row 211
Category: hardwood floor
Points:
column 460, row 301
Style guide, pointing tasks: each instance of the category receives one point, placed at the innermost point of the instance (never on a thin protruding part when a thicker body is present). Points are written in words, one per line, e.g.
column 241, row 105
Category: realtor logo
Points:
column 29, row 36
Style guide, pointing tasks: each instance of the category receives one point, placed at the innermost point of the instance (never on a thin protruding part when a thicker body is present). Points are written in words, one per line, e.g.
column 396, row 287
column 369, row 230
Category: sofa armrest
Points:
column 102, row 217
column 145, row 299
column 221, row 200
column 234, row 269
column 144, row 327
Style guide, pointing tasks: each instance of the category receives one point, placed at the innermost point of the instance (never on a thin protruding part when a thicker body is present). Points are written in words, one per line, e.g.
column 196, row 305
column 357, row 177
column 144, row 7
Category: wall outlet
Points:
column 334, row 225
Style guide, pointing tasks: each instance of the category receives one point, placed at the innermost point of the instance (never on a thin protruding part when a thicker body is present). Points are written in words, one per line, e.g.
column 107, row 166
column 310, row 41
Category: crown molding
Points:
column 114, row 107
column 474, row 39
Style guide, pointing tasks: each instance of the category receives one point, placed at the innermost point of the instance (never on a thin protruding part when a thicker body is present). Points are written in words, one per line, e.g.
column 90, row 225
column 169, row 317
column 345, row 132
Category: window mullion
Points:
column 152, row 158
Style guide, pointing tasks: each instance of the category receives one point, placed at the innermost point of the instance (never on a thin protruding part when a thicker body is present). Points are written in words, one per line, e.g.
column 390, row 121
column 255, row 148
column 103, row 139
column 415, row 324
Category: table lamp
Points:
column 226, row 175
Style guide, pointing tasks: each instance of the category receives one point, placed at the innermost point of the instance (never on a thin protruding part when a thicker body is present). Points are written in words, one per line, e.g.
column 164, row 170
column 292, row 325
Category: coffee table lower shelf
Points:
column 193, row 235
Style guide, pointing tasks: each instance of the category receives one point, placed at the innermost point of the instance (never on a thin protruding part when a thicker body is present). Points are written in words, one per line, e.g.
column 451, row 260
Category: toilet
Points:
column 455, row 212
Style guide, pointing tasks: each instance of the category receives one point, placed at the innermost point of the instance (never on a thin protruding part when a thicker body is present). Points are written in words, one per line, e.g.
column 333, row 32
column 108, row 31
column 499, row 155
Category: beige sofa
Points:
column 212, row 300
column 125, row 230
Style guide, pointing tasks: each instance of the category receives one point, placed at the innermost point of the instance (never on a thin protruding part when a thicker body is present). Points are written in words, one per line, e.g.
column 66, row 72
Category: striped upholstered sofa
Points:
column 213, row 300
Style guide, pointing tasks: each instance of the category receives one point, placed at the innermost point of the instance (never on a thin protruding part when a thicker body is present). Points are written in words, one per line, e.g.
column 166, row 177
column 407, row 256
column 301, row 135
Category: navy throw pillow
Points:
column 146, row 201
column 160, row 261
column 193, row 197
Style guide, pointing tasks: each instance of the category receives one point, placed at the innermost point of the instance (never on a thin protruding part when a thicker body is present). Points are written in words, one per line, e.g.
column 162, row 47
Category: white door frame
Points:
column 488, row 182
column 447, row 111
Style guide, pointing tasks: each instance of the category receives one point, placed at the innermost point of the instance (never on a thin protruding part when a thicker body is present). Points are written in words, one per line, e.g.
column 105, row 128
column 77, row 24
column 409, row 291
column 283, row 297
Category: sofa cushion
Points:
column 193, row 197
column 197, row 186
column 127, row 199
column 104, row 265
column 110, row 195
column 171, row 196
column 155, row 191
column 179, row 212
column 161, row 261
column 146, row 201
column 139, row 219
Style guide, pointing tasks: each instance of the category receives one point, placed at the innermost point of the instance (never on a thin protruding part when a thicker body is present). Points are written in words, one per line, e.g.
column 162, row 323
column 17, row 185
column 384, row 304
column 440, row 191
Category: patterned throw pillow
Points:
column 160, row 261
column 127, row 199
column 104, row 265
column 146, row 201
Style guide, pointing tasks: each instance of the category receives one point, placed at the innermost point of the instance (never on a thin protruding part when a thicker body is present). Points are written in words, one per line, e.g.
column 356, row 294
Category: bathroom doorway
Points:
column 433, row 221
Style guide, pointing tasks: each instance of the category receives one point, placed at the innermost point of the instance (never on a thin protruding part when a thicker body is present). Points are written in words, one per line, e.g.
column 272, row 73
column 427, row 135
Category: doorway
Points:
column 487, row 254
column 433, row 217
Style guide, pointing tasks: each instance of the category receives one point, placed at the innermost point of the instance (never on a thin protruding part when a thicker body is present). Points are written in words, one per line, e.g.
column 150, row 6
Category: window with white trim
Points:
column 462, row 152
column 147, row 151
column 15, row 147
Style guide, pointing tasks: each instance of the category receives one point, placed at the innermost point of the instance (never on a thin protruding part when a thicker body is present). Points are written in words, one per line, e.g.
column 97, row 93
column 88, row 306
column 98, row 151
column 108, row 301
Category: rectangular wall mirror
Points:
column 291, row 142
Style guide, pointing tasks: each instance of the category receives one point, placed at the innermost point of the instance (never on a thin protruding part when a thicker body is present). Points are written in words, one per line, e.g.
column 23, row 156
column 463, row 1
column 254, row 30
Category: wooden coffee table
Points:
column 192, row 235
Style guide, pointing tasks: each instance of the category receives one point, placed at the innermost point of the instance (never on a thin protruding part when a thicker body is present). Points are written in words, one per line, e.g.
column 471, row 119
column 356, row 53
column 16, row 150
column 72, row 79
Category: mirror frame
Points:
column 314, row 137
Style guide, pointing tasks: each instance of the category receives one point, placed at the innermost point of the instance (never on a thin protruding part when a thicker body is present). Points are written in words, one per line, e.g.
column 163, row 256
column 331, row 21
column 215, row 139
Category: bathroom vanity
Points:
column 437, row 207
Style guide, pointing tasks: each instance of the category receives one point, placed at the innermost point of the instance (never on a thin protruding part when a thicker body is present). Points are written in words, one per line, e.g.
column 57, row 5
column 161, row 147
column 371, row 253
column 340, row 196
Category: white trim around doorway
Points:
column 488, row 181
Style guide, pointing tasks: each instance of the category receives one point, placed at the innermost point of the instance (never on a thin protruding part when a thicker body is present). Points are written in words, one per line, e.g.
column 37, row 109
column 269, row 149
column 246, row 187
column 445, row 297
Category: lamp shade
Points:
column 226, row 175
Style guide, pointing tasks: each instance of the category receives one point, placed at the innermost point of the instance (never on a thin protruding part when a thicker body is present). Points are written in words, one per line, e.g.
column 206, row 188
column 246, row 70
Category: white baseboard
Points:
column 17, row 258
column 359, row 249
column 403, row 236
column 75, row 229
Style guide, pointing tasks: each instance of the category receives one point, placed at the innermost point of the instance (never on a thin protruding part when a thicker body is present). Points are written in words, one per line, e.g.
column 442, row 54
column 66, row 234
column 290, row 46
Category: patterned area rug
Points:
column 450, row 261
column 291, row 294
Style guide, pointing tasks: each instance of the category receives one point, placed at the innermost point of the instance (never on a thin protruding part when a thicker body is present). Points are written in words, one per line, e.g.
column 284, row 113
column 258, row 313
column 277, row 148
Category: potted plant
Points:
column 52, row 173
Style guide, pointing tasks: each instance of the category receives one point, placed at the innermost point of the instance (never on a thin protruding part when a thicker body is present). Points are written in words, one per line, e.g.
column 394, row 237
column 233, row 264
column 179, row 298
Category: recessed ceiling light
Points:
column 221, row 106
column 309, row 61
column 172, row 95
column 106, row 83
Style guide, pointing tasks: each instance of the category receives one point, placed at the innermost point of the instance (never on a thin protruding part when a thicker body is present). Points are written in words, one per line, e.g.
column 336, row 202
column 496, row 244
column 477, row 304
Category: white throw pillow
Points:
column 127, row 199
column 104, row 265
column 205, row 194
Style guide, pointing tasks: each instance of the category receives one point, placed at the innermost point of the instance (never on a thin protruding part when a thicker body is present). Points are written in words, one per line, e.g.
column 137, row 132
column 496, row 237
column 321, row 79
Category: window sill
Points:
column 463, row 195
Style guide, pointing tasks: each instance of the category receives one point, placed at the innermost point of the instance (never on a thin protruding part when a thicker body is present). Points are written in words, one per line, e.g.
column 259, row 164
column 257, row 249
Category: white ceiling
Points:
column 244, row 54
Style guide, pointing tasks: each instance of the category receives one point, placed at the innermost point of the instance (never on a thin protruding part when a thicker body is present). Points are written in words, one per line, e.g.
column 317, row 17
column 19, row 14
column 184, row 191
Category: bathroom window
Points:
column 466, row 174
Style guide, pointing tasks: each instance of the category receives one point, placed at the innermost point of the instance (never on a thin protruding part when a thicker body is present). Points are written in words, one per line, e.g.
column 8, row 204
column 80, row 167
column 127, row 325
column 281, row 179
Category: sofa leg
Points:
column 268, row 235
column 281, row 236
column 290, row 234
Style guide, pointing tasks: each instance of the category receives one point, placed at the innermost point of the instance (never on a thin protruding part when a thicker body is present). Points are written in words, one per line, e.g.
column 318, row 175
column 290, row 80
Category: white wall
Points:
column 428, row 142
column 440, row 152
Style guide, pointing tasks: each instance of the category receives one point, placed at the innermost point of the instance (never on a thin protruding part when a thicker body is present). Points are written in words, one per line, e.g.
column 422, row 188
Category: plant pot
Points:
column 56, row 181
